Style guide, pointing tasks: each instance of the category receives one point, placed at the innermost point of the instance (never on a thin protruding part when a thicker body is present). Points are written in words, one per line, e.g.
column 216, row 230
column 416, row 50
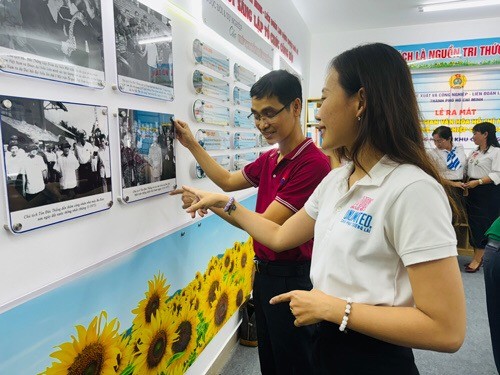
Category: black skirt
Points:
column 483, row 208
column 340, row 353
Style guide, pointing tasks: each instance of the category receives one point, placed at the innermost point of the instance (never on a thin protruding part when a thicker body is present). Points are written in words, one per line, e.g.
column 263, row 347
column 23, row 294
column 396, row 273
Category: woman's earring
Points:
column 359, row 118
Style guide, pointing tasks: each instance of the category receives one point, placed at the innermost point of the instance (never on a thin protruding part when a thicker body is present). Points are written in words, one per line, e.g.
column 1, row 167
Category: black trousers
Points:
column 283, row 348
column 483, row 207
column 491, row 261
column 353, row 353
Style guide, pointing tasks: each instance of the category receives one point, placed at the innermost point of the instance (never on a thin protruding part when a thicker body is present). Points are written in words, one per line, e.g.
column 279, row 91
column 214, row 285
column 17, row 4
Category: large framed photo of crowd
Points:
column 143, row 40
column 147, row 154
column 56, row 161
column 59, row 40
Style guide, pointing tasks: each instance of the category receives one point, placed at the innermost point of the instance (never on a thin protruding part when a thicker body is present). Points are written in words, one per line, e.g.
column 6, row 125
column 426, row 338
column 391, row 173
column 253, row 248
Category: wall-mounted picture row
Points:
column 56, row 161
column 62, row 40
column 146, row 153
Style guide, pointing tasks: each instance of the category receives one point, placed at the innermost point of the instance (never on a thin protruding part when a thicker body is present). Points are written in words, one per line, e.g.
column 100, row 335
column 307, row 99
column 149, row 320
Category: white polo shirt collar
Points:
column 375, row 176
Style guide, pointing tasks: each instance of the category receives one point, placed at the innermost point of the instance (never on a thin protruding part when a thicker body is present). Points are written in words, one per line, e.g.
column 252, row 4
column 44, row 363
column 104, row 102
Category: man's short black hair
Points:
column 279, row 83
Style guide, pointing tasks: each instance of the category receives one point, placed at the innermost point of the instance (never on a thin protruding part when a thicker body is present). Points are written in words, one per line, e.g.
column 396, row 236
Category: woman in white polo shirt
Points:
column 384, row 261
column 449, row 159
column 483, row 200
column 448, row 156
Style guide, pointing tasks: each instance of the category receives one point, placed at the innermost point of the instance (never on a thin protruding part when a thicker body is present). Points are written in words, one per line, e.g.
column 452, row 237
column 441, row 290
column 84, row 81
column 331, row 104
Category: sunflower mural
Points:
column 168, row 332
column 155, row 300
column 96, row 350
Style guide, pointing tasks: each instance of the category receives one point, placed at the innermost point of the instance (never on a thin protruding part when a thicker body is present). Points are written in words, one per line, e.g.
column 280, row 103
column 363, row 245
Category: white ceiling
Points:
column 324, row 16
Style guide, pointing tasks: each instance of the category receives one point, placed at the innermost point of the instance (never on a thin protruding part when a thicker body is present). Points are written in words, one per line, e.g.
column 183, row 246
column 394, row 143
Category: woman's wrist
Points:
column 334, row 311
column 229, row 206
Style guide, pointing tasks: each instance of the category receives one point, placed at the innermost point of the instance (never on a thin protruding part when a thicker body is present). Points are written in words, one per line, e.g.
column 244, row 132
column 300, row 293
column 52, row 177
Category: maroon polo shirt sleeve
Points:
column 253, row 170
column 295, row 189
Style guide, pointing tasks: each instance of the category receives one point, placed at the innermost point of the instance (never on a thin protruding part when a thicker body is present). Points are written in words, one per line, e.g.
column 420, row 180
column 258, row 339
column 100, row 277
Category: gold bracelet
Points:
column 480, row 181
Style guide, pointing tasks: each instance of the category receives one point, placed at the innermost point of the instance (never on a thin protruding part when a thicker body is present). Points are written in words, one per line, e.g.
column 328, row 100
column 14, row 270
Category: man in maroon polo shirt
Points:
column 285, row 177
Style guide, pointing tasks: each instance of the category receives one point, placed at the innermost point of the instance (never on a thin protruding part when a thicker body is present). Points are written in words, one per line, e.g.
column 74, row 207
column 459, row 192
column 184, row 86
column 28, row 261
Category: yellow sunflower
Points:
column 195, row 284
column 155, row 300
column 213, row 264
column 194, row 302
column 222, row 307
column 125, row 355
column 239, row 295
column 175, row 304
column 176, row 368
column 212, row 284
column 93, row 352
column 246, row 265
column 185, row 328
column 237, row 247
column 227, row 259
column 154, row 346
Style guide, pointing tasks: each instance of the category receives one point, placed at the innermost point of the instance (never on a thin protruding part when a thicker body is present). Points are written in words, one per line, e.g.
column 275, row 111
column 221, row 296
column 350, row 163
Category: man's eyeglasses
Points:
column 268, row 114
column 438, row 141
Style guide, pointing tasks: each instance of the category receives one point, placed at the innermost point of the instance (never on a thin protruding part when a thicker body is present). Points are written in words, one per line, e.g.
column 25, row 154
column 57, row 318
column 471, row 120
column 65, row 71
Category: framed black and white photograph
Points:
column 59, row 40
column 147, row 154
column 144, row 58
column 56, row 161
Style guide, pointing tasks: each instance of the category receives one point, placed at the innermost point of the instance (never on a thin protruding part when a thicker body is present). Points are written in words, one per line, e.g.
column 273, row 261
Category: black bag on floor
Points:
column 248, row 328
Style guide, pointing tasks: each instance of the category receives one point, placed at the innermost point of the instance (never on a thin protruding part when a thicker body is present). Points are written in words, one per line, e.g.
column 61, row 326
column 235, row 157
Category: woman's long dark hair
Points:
column 391, row 121
column 491, row 139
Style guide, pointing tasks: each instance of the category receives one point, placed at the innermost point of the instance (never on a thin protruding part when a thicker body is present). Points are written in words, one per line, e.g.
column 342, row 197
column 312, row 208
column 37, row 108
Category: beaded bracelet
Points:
column 347, row 311
column 230, row 206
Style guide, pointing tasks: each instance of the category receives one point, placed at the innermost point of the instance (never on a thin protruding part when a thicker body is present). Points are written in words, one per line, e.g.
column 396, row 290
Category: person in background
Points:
column 449, row 159
column 84, row 152
column 285, row 177
column 382, row 227
column 13, row 161
column 155, row 159
column 34, row 171
column 13, row 165
column 51, row 157
column 483, row 200
column 492, row 285
column 104, row 164
column 67, row 165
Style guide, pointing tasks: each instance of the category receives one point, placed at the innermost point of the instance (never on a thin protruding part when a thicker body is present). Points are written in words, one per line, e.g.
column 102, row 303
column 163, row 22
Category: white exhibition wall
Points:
column 40, row 260
column 326, row 46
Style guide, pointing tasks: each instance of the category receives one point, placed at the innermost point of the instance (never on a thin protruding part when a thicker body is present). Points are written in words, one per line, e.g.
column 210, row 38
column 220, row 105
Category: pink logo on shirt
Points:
column 362, row 204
